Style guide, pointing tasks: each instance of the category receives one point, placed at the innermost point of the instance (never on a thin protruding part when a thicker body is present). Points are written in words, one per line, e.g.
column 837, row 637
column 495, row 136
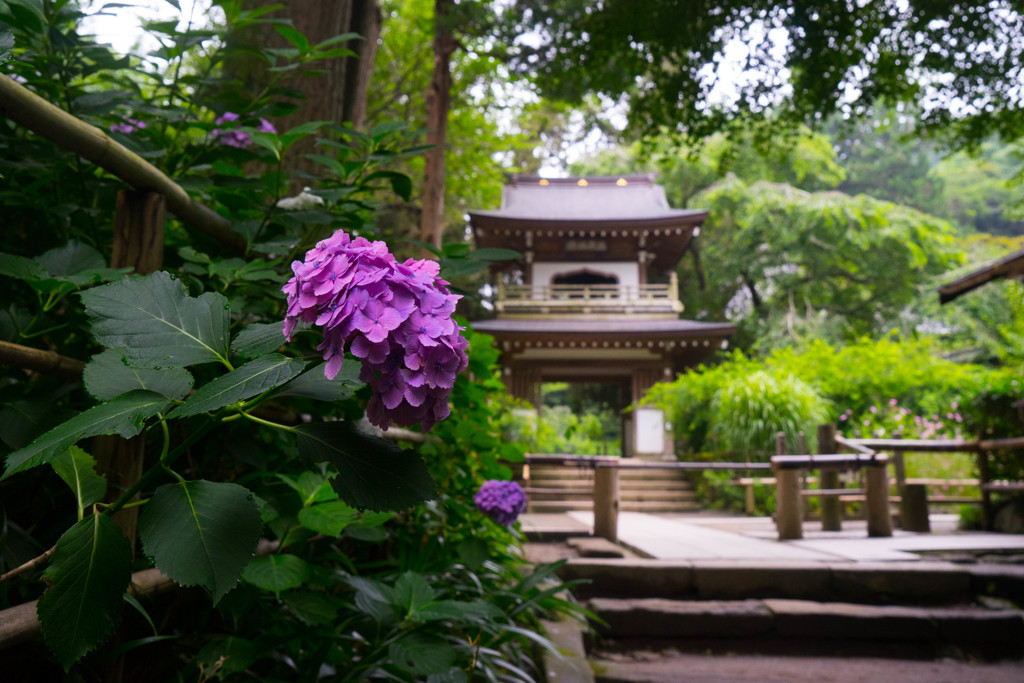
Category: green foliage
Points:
column 372, row 473
column 154, row 321
column 851, row 378
column 201, row 533
column 107, row 375
column 792, row 265
column 89, row 572
column 799, row 61
column 748, row 411
column 78, row 470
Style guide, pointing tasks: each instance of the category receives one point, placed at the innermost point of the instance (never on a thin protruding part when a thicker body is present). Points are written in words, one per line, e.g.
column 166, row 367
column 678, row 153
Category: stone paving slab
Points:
column 672, row 539
column 706, row 537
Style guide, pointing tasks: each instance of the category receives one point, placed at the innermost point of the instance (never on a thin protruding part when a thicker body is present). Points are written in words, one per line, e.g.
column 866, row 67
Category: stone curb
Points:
column 654, row 618
column 933, row 583
column 572, row 666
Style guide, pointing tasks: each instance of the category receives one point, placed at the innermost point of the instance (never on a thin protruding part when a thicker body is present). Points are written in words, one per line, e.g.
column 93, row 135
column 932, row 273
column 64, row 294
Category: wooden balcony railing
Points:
column 588, row 299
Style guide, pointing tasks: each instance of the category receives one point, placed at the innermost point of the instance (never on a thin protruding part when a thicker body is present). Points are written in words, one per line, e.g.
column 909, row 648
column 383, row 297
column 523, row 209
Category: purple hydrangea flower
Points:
column 395, row 317
column 502, row 501
column 231, row 138
column 266, row 127
column 128, row 126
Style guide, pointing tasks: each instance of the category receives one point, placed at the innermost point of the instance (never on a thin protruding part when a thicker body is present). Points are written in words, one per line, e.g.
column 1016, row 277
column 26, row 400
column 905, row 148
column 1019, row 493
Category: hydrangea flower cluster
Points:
column 128, row 126
column 502, row 501
column 396, row 317
column 236, row 138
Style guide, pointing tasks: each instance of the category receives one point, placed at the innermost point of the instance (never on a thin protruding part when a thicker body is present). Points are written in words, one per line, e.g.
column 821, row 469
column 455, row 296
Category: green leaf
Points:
column 157, row 324
column 235, row 655
column 374, row 473
column 313, row 608
column 276, row 573
column 201, row 533
column 314, row 384
column 412, row 591
column 422, row 653
column 6, row 45
column 473, row 552
column 71, row 259
column 293, row 36
column 22, row 268
column 251, row 379
column 107, row 376
column 258, row 339
column 78, row 470
column 89, row 572
column 329, row 519
column 125, row 415
column 456, row 610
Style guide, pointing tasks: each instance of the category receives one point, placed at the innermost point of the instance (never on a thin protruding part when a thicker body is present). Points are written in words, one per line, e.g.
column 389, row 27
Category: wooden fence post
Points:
column 914, row 508
column 139, row 244
column 787, row 503
column 606, row 502
column 986, row 496
column 876, row 489
column 831, row 506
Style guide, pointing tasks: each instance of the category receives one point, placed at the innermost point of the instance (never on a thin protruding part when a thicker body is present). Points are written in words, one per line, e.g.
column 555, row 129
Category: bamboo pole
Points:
column 46, row 362
column 36, row 114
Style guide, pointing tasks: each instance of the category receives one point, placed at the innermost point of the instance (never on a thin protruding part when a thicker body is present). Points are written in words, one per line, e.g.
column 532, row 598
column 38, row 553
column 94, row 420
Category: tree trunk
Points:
column 338, row 94
column 438, row 102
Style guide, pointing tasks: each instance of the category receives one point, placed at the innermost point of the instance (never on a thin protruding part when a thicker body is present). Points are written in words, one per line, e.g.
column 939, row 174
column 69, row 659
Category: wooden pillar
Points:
column 606, row 502
column 876, row 487
column 831, row 506
column 986, row 496
column 787, row 503
column 139, row 244
column 914, row 508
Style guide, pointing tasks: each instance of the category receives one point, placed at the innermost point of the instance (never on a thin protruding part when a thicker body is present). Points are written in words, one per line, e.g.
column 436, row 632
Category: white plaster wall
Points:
column 650, row 431
column 627, row 272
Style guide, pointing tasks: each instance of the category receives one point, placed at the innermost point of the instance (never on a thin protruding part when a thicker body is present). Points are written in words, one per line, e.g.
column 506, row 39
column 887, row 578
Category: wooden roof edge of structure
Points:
column 529, row 179
column 1008, row 266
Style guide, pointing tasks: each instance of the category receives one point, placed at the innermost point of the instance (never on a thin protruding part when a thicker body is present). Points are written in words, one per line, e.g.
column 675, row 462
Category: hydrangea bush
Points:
column 395, row 317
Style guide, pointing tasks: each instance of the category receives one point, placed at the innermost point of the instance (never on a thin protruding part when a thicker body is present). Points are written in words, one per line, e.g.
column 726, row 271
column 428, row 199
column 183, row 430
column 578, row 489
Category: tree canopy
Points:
column 959, row 63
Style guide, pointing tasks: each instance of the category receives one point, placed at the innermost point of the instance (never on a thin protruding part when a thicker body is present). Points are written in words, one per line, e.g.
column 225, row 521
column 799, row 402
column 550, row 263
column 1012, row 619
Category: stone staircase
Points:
column 556, row 488
column 919, row 610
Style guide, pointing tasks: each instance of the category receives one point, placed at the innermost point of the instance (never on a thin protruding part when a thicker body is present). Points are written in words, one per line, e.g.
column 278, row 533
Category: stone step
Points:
column 659, row 506
column 920, row 583
column 804, row 621
column 539, row 494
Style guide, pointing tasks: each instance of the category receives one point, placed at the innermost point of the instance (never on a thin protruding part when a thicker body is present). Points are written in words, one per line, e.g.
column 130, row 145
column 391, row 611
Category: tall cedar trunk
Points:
column 438, row 102
column 337, row 95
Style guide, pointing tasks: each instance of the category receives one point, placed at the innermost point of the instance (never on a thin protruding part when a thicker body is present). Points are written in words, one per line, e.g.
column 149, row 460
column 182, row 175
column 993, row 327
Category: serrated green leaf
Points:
column 457, row 610
column 276, row 573
column 125, row 415
column 72, row 258
column 201, row 533
column 412, row 591
column 251, row 379
column 78, row 470
column 107, row 376
column 89, row 572
column 422, row 653
column 258, row 339
column 157, row 324
column 22, row 268
column 374, row 473
column 315, row 385
column 329, row 519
